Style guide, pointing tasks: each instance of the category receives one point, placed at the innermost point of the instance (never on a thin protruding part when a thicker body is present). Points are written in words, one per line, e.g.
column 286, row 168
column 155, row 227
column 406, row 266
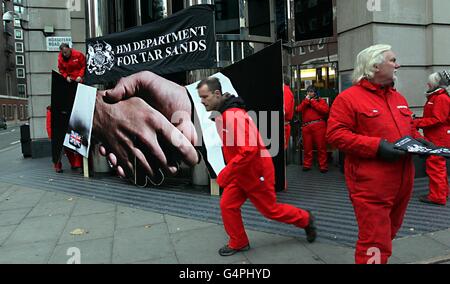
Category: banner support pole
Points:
column 85, row 167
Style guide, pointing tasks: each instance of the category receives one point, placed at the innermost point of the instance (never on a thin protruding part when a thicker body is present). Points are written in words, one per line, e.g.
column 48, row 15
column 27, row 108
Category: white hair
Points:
column 366, row 61
column 436, row 80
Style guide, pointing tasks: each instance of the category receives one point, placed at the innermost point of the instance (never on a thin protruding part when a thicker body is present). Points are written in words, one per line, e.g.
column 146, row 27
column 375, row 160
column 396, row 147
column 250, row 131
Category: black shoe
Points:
column 306, row 169
column 324, row 171
column 424, row 199
column 75, row 168
column 227, row 251
column 311, row 230
column 59, row 171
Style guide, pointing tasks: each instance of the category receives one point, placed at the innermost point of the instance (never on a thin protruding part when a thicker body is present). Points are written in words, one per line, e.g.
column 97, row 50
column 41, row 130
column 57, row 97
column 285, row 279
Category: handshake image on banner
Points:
column 413, row 146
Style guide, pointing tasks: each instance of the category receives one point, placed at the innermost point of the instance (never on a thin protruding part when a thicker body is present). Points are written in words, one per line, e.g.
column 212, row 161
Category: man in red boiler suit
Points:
column 314, row 126
column 249, row 172
column 365, row 121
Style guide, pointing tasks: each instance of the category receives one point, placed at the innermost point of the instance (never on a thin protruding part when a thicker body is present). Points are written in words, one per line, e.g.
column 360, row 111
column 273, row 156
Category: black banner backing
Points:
column 62, row 98
column 184, row 41
column 262, row 90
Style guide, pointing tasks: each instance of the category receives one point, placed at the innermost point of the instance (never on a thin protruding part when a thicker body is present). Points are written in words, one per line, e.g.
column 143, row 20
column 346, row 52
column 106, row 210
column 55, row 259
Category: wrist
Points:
column 101, row 115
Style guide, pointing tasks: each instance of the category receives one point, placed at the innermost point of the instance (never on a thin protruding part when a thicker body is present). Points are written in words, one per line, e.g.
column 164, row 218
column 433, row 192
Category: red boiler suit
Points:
column 314, row 127
column 249, row 174
column 379, row 190
column 288, row 113
column 57, row 166
column 436, row 128
column 74, row 67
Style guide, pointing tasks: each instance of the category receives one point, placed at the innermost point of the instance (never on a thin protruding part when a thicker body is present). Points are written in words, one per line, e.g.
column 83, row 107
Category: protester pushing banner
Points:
column 184, row 41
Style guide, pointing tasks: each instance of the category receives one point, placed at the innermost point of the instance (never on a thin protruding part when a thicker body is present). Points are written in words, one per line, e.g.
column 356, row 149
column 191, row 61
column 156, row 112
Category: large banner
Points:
column 149, row 123
column 184, row 41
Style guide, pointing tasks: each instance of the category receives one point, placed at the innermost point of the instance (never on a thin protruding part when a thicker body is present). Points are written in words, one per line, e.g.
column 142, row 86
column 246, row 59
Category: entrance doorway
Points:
column 324, row 77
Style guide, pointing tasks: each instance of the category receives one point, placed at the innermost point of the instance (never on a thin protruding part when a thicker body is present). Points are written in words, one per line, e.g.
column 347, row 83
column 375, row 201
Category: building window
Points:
column 302, row 50
column 9, row 113
column 17, row 23
column 259, row 17
column 237, row 51
column 177, row 5
column 19, row 9
column 224, row 52
column 281, row 14
column 22, row 90
column 313, row 19
column 19, row 47
column 8, row 84
column 3, row 110
column 18, row 34
column 26, row 111
column 129, row 14
column 153, row 10
column 21, row 112
column 20, row 72
column 227, row 16
column 20, row 60
column 20, row 2
column 312, row 3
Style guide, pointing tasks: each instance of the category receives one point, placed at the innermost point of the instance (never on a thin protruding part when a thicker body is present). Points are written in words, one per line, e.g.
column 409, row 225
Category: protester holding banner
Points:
column 314, row 112
column 71, row 63
column 249, row 171
column 436, row 127
column 364, row 122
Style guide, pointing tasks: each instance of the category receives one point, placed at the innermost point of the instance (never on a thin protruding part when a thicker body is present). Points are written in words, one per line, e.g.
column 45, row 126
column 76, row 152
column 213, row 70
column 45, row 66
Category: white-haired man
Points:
column 436, row 127
column 364, row 122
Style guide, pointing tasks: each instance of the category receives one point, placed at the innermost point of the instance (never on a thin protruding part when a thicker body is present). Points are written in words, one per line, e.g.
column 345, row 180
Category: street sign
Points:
column 54, row 42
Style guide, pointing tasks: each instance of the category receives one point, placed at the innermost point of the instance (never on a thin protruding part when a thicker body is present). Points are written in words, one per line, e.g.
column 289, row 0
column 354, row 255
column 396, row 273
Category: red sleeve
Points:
column 49, row 124
column 62, row 66
column 243, row 130
column 341, row 131
column 288, row 104
column 303, row 105
column 440, row 113
column 82, row 60
column 321, row 106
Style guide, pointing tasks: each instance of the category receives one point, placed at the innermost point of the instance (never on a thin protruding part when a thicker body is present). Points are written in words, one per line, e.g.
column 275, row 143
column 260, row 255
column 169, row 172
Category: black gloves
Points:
column 387, row 152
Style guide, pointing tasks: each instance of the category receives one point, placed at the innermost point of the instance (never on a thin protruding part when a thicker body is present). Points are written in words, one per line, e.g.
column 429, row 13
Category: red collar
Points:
column 373, row 87
column 436, row 92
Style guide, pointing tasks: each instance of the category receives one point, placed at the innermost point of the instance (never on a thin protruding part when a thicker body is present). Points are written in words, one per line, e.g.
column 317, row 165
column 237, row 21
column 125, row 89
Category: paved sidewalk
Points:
column 39, row 226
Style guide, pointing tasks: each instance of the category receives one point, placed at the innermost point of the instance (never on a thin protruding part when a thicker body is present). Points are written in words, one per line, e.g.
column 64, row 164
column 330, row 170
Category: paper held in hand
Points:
column 413, row 146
